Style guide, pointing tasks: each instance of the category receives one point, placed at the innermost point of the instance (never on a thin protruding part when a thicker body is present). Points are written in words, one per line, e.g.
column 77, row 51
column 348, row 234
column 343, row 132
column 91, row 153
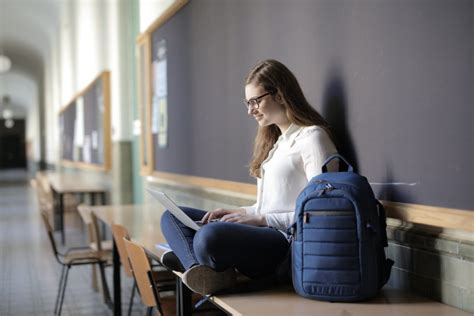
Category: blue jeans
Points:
column 253, row 251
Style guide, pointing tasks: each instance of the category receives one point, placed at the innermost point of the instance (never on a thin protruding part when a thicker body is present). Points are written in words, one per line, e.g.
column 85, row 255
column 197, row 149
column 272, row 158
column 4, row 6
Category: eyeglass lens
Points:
column 253, row 103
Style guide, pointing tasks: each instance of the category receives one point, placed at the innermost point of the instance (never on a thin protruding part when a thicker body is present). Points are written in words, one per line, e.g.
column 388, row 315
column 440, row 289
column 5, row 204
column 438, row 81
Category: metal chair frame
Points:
column 73, row 257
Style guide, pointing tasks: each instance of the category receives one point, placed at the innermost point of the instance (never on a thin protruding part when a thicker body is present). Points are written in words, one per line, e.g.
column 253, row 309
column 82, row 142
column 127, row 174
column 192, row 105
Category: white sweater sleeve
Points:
column 318, row 147
column 250, row 209
column 280, row 221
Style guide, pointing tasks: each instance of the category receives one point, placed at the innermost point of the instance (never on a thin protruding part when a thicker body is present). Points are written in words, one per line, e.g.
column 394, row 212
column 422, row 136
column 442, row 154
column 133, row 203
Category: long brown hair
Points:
column 275, row 77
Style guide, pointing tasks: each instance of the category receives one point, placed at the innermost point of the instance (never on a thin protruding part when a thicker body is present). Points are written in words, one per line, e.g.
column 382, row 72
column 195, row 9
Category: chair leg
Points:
column 131, row 297
column 64, row 290
column 160, row 310
column 105, row 288
column 95, row 285
column 61, row 279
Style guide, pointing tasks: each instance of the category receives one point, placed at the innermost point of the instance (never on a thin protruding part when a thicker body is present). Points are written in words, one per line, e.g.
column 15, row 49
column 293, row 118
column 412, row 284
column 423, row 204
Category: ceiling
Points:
column 27, row 32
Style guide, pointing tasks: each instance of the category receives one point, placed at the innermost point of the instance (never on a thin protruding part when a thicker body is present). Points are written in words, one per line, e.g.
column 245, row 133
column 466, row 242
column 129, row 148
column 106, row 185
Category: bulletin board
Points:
column 398, row 97
column 153, row 102
column 84, row 127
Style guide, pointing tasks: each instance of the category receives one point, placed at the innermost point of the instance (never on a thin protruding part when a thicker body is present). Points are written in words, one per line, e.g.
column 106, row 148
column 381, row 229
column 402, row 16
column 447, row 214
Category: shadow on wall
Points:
column 390, row 191
column 334, row 110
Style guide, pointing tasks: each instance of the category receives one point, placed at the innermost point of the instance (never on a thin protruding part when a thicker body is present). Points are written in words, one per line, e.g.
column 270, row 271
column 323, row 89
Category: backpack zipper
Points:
column 328, row 187
column 307, row 215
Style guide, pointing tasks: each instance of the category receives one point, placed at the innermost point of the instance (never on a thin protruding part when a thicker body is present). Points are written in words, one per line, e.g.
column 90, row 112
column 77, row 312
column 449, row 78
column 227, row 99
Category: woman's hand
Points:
column 254, row 220
column 219, row 213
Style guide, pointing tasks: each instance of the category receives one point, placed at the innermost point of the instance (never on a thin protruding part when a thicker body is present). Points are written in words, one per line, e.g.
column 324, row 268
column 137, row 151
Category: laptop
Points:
column 174, row 209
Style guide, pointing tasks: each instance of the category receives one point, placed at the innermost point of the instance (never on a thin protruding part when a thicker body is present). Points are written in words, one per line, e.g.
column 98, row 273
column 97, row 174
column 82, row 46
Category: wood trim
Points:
column 149, row 113
column 431, row 215
column 166, row 15
column 81, row 92
column 206, row 183
column 143, row 80
column 410, row 213
column 82, row 165
column 106, row 90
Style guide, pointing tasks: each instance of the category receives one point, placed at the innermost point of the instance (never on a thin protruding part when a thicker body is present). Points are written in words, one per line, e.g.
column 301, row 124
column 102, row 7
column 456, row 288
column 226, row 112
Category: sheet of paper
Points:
column 86, row 149
column 95, row 140
column 155, row 119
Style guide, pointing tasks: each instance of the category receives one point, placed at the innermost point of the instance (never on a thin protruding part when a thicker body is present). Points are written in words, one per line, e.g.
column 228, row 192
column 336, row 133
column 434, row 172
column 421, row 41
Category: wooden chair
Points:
column 148, row 283
column 101, row 246
column 73, row 257
column 95, row 235
column 45, row 194
column 45, row 198
column 120, row 233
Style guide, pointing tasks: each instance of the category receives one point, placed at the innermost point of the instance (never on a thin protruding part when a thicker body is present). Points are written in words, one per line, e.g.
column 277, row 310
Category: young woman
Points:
column 292, row 143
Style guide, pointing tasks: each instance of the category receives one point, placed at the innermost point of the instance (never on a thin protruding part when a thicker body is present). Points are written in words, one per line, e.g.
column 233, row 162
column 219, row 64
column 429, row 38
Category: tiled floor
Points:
column 29, row 274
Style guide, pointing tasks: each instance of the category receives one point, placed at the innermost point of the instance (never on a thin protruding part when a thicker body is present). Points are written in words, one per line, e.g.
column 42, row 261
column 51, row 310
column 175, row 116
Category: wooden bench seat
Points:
column 143, row 222
column 284, row 301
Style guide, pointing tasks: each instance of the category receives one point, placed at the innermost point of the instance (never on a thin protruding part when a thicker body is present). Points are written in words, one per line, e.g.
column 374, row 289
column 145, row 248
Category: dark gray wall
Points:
column 394, row 79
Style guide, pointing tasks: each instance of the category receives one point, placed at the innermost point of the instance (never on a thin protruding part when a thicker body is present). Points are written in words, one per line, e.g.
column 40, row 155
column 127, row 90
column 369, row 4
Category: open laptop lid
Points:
column 173, row 208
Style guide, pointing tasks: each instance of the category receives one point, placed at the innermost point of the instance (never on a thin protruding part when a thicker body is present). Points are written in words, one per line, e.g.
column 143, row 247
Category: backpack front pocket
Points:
column 330, row 247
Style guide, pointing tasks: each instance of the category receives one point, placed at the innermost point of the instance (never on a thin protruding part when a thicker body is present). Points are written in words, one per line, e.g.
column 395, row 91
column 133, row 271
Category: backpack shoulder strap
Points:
column 382, row 224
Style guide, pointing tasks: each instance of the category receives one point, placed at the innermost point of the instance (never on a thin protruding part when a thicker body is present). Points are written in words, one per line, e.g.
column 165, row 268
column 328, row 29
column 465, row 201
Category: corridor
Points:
column 29, row 273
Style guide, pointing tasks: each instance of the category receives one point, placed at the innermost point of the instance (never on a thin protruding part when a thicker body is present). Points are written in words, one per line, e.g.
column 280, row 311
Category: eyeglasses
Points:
column 253, row 103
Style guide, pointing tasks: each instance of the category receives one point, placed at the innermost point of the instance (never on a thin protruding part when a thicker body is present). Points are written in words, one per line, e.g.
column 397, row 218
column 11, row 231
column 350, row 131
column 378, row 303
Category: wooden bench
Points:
column 284, row 301
column 143, row 223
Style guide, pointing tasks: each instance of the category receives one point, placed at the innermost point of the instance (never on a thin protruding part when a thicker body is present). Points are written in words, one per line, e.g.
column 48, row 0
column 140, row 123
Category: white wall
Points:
column 150, row 10
column 94, row 36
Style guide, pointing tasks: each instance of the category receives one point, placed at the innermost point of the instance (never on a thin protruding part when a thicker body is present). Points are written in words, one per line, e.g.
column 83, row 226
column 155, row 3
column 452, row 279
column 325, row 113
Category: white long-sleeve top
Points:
column 296, row 157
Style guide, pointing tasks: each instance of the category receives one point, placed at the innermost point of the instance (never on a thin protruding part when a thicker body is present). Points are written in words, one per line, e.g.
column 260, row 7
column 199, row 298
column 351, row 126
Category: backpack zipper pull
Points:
column 328, row 187
column 305, row 218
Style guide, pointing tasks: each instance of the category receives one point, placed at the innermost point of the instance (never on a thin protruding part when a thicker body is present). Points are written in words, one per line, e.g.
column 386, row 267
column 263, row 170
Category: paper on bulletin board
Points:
column 79, row 123
column 154, row 115
column 86, row 150
column 161, row 86
column 163, row 123
column 163, row 140
column 160, row 71
column 160, row 120
column 95, row 140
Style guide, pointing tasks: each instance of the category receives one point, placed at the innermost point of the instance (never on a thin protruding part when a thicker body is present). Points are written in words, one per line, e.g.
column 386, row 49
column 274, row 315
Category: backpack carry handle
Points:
column 325, row 164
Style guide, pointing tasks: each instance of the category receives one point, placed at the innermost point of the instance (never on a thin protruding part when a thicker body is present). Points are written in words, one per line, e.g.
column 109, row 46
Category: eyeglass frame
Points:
column 256, row 100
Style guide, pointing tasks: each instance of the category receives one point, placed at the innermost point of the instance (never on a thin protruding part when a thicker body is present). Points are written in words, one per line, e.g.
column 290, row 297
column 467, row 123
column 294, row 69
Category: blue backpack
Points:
column 338, row 238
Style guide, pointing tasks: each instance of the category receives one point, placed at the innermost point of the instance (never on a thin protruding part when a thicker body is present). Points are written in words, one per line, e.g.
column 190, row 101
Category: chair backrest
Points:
column 96, row 237
column 142, row 273
column 120, row 233
column 49, row 230
column 44, row 193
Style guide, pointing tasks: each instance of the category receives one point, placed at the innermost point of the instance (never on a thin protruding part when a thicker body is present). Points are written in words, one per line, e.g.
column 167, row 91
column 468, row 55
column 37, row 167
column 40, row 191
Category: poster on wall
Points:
column 78, row 140
column 160, row 97
column 163, row 123
column 86, row 152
